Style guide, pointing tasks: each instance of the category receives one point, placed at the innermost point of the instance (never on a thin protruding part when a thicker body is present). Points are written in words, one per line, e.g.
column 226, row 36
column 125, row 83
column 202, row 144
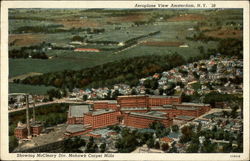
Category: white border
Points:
column 5, row 5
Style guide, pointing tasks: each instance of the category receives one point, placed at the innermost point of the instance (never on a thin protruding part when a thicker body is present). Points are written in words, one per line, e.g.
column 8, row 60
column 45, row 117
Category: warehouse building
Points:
column 136, row 111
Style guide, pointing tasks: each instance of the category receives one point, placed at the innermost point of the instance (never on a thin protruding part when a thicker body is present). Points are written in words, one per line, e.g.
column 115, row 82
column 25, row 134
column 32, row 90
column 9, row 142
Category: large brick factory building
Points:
column 134, row 111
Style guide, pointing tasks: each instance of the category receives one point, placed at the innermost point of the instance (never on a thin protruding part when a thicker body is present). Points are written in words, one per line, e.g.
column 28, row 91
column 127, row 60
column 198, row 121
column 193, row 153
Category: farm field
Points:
column 17, row 88
column 60, row 26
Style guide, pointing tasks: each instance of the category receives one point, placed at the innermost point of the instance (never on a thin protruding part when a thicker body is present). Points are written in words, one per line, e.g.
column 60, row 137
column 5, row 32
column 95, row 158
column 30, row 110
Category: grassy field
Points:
column 174, row 26
column 17, row 88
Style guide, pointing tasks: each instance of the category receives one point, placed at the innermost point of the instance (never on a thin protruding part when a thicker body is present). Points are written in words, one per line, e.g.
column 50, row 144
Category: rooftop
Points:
column 174, row 135
column 132, row 96
column 102, row 111
column 36, row 125
column 194, row 104
column 160, row 96
column 187, row 108
column 78, row 110
column 148, row 115
column 157, row 113
column 101, row 132
column 77, row 128
column 133, row 108
column 108, row 101
column 166, row 139
column 187, row 118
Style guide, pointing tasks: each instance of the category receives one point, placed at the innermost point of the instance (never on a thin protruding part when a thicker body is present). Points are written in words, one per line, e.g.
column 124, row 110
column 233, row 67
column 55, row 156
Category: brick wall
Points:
column 133, row 101
column 100, row 105
column 36, row 130
column 140, row 122
column 102, row 120
column 159, row 101
column 21, row 133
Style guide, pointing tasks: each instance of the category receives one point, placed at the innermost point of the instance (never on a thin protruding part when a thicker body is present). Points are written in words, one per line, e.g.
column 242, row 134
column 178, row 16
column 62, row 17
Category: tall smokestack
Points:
column 27, row 114
column 34, row 114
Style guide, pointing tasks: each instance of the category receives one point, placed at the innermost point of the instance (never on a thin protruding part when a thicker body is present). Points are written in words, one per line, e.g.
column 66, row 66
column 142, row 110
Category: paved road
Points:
column 132, row 46
column 64, row 100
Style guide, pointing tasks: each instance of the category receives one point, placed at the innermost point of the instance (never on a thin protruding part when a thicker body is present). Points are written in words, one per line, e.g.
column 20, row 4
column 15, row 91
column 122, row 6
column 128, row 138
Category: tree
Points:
column 231, row 47
column 84, row 97
column 150, row 143
column 164, row 147
column 115, row 94
column 187, row 134
column 173, row 149
column 156, row 125
column 175, row 128
column 199, row 127
column 103, row 147
column 157, row 145
column 192, row 148
column 133, row 92
column 72, row 145
column 12, row 143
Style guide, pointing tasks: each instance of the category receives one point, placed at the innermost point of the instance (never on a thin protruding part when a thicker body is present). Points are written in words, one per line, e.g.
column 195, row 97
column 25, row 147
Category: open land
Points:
column 120, row 26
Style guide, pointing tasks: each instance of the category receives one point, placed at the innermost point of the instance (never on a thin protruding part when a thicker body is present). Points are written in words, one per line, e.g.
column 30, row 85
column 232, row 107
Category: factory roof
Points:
column 158, row 108
column 160, row 96
column 77, row 128
column 193, row 104
column 78, row 110
column 133, row 108
column 102, row 132
column 187, row 118
column 36, row 125
column 187, row 108
column 21, row 127
column 157, row 113
column 102, row 111
column 149, row 115
column 108, row 101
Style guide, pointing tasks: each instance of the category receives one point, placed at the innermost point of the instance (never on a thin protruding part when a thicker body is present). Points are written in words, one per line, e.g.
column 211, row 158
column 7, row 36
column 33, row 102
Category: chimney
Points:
column 27, row 114
column 34, row 114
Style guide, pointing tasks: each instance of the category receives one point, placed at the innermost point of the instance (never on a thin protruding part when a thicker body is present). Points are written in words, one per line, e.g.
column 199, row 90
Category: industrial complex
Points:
column 136, row 111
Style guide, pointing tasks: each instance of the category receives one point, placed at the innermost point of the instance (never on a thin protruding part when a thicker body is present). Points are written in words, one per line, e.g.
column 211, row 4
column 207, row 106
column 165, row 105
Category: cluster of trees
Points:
column 39, row 29
column 231, row 47
column 135, row 39
column 202, row 37
column 41, row 111
column 191, row 136
column 91, row 147
column 55, row 28
column 35, row 51
column 52, row 119
column 72, row 145
column 159, row 128
column 56, row 93
column 12, row 143
column 213, row 97
column 128, row 142
column 19, row 53
column 84, row 39
column 124, row 71
column 115, row 128
column 130, row 139
column 226, row 47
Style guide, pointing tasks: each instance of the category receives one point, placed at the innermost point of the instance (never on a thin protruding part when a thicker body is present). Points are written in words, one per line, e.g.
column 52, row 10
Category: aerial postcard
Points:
column 121, row 80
